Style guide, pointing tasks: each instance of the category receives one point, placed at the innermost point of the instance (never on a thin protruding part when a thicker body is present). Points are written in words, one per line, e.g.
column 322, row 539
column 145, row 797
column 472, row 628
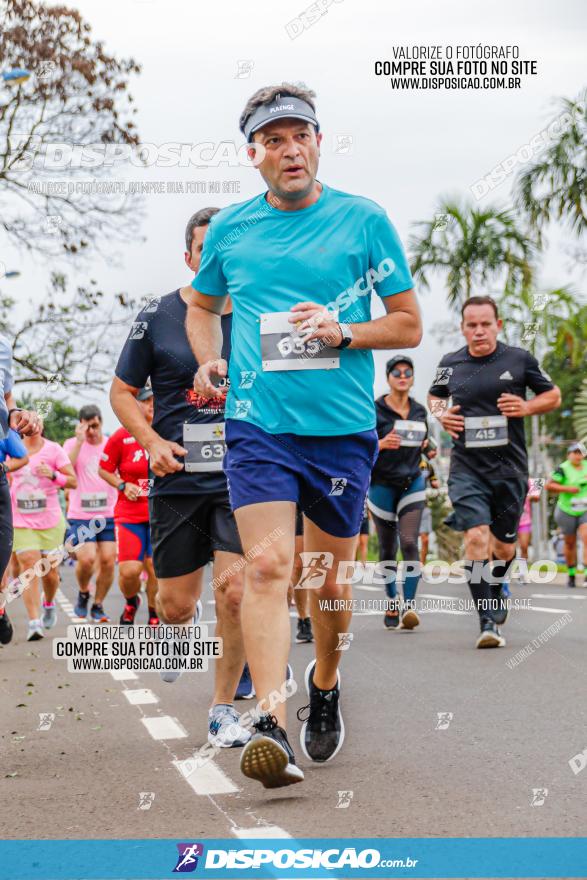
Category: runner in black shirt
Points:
column 190, row 515
column 397, row 493
column 487, row 381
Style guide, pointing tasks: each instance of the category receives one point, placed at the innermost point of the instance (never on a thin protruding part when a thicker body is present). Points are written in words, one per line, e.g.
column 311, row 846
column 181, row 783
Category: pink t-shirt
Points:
column 35, row 499
column 93, row 496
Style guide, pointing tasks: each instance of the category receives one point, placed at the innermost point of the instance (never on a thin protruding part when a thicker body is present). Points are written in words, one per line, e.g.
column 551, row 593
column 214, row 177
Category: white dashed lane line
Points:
column 140, row 696
column 206, row 779
column 164, row 727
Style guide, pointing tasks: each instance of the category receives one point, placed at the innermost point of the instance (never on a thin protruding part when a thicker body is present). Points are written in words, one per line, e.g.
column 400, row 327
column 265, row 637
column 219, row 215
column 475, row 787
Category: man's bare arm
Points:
column 162, row 460
column 204, row 328
column 401, row 327
column 123, row 398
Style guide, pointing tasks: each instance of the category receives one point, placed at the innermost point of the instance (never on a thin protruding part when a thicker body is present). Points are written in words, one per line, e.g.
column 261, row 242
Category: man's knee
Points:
column 175, row 609
column 269, row 570
column 229, row 596
column 504, row 551
column 477, row 541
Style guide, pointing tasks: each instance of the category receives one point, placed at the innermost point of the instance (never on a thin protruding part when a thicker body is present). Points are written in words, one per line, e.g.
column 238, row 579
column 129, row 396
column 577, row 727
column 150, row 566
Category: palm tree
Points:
column 476, row 250
column 555, row 186
column 535, row 320
column 580, row 413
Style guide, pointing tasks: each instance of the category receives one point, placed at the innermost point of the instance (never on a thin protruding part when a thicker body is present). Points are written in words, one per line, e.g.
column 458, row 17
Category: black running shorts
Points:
column 186, row 530
column 497, row 503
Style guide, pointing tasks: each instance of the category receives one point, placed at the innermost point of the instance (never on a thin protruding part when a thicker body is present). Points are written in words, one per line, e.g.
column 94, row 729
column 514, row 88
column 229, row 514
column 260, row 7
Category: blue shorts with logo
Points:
column 327, row 476
column 88, row 536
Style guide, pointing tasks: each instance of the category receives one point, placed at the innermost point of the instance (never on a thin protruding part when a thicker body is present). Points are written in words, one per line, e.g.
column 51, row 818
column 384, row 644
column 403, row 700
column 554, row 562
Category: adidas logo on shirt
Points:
column 507, row 375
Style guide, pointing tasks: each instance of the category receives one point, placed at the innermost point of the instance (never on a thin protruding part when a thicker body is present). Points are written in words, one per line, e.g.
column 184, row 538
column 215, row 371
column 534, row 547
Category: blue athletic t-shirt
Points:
column 157, row 348
column 335, row 253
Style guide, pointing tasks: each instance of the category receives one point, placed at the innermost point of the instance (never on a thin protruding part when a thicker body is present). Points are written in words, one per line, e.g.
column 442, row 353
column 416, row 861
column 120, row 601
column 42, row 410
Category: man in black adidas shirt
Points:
column 190, row 515
column 488, row 480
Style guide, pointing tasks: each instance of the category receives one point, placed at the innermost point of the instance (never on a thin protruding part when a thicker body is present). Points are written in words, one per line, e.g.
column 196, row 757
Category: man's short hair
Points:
column 480, row 301
column 268, row 94
column 88, row 412
column 200, row 218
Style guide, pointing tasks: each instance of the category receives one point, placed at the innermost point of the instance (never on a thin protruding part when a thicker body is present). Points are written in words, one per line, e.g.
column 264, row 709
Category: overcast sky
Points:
column 408, row 147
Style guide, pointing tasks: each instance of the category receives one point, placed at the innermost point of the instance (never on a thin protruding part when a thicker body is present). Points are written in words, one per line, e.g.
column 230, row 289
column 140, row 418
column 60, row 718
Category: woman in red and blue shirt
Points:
column 125, row 465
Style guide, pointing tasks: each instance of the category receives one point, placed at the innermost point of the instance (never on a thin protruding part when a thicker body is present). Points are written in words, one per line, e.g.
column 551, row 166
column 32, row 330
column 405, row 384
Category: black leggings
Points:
column 403, row 532
column 6, row 533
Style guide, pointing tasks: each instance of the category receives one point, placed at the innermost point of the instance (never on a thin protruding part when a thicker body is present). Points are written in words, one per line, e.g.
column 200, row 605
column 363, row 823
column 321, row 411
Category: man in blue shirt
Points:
column 24, row 422
column 300, row 263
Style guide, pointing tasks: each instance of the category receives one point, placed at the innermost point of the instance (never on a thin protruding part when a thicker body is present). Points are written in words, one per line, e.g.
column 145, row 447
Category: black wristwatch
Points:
column 121, row 486
column 347, row 336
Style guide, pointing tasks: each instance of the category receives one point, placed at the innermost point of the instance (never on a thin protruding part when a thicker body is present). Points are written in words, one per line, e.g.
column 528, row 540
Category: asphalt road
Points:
column 442, row 740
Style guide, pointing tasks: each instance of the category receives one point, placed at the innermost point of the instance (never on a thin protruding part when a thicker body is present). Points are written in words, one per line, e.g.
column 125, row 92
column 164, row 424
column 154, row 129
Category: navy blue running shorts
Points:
column 327, row 476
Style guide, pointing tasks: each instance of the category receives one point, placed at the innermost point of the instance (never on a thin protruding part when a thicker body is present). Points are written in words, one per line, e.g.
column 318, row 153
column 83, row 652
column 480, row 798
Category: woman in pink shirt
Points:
column 39, row 525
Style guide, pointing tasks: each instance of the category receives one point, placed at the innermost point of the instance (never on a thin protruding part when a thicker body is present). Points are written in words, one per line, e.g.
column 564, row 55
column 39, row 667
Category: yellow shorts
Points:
column 44, row 540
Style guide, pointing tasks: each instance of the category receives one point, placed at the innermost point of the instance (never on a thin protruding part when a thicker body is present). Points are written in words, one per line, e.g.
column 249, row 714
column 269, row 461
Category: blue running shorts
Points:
column 327, row 476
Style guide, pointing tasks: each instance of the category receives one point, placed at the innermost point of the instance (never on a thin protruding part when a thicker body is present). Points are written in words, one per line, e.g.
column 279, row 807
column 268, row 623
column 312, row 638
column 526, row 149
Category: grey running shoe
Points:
column 49, row 615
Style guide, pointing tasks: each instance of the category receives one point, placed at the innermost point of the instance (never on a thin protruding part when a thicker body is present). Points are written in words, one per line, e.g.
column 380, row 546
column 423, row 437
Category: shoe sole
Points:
column 393, row 627
column 265, row 761
column 410, row 620
column 305, row 724
column 490, row 640
column 245, row 696
column 304, row 641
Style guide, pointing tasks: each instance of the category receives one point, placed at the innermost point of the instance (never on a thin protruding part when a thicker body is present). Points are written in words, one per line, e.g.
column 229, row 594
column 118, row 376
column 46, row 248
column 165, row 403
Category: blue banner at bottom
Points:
column 490, row 857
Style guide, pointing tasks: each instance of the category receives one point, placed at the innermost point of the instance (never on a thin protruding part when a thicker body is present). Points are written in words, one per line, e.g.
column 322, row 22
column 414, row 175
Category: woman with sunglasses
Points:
column 397, row 494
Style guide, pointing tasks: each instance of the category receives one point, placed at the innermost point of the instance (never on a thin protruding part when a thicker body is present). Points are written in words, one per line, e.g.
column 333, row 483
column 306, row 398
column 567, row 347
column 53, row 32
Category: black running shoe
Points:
column 500, row 605
column 490, row 635
column 304, row 634
column 571, row 581
column 268, row 756
column 322, row 732
column 6, row 631
column 81, row 606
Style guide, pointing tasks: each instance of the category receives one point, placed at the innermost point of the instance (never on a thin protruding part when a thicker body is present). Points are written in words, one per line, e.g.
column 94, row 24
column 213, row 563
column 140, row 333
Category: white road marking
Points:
column 206, row 779
column 547, row 610
column 442, row 611
column 123, row 675
column 262, row 831
column 554, row 596
column 164, row 727
column 140, row 696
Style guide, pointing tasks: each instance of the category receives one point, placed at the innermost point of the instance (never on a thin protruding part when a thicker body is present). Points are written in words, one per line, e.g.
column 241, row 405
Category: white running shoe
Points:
column 171, row 675
column 224, row 729
column 49, row 616
column 35, row 631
